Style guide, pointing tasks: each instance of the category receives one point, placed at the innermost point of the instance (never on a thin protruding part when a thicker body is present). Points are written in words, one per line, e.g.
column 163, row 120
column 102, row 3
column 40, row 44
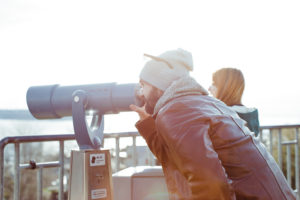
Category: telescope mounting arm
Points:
column 87, row 137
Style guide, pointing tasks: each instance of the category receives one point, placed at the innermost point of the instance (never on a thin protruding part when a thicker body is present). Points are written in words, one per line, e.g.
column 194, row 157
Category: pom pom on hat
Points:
column 162, row 70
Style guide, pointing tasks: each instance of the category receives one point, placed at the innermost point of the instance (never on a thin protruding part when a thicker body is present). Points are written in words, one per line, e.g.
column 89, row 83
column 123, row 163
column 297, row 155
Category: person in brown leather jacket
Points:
column 205, row 149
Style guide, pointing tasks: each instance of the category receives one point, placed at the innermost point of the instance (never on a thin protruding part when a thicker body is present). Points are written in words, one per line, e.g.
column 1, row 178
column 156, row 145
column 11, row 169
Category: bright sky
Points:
column 72, row 42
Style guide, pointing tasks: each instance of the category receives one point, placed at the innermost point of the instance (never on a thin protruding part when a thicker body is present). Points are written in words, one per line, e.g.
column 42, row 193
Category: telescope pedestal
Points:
column 90, row 176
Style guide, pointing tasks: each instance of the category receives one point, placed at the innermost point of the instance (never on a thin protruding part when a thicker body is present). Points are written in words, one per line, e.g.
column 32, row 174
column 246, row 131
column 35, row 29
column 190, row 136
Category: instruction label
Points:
column 99, row 193
column 97, row 159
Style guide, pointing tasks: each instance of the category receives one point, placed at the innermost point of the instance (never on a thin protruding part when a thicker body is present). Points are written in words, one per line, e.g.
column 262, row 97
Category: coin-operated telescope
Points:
column 90, row 167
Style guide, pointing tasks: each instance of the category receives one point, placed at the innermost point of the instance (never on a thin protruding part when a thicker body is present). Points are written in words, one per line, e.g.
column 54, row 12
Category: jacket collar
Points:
column 181, row 87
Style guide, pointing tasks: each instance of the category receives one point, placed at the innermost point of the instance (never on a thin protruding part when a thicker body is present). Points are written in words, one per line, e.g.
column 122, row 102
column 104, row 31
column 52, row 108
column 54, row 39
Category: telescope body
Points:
column 55, row 101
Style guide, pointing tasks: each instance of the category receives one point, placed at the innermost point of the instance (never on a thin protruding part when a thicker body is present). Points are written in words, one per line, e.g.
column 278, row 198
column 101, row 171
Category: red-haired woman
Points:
column 228, row 86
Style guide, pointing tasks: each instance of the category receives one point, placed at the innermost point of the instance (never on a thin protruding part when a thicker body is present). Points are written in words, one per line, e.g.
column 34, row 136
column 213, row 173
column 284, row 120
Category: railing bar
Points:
column 17, row 172
column 49, row 138
column 122, row 134
column 40, row 184
column 289, row 142
column 288, row 161
column 134, row 153
column 118, row 153
column 41, row 165
column 61, row 170
column 281, row 126
column 279, row 149
column 37, row 138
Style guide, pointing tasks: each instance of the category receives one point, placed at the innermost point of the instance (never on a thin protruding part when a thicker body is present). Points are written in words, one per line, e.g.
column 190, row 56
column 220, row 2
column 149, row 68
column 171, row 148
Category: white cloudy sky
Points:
column 95, row 41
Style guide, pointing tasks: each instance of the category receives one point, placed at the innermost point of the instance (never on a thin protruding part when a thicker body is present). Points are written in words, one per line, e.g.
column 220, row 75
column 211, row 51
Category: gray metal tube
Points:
column 17, row 172
column 54, row 101
column 1, row 171
column 40, row 184
column 61, row 170
column 279, row 148
column 289, row 164
column 297, row 163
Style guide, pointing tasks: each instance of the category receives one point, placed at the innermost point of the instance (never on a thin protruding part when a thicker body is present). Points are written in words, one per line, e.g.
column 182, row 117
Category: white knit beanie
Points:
column 162, row 70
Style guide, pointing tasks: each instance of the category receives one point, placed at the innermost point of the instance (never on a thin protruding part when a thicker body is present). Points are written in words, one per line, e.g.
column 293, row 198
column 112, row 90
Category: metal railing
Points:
column 289, row 141
column 18, row 167
column 17, row 140
column 266, row 135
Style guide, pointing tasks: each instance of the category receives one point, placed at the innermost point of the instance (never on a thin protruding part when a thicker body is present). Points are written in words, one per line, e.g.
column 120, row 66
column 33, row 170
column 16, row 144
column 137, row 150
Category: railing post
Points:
column 279, row 149
column 260, row 134
column 61, row 170
column 134, row 154
column 297, row 164
column 1, row 171
column 271, row 141
column 117, row 153
column 40, row 183
column 150, row 158
column 288, row 161
column 17, row 172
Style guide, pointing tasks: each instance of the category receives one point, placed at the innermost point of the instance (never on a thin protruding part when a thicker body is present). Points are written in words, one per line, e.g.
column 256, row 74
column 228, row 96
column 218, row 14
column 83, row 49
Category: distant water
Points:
column 34, row 127
column 21, row 122
column 27, row 125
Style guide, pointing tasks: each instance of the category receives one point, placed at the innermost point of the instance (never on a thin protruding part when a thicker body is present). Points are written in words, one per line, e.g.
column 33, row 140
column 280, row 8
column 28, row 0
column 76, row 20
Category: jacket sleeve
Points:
column 187, row 135
column 147, row 129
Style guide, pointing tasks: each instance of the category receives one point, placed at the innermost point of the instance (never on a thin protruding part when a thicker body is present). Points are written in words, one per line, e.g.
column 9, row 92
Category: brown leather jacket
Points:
column 207, row 152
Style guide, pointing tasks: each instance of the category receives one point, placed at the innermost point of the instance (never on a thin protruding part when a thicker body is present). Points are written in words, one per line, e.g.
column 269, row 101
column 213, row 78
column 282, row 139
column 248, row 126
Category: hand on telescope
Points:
column 140, row 110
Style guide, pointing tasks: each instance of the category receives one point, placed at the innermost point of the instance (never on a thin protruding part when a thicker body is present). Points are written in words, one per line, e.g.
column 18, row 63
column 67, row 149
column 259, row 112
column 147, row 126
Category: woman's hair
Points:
column 230, row 85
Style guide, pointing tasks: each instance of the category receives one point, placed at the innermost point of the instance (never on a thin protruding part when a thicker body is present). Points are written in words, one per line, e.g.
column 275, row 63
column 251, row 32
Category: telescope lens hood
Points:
column 39, row 101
